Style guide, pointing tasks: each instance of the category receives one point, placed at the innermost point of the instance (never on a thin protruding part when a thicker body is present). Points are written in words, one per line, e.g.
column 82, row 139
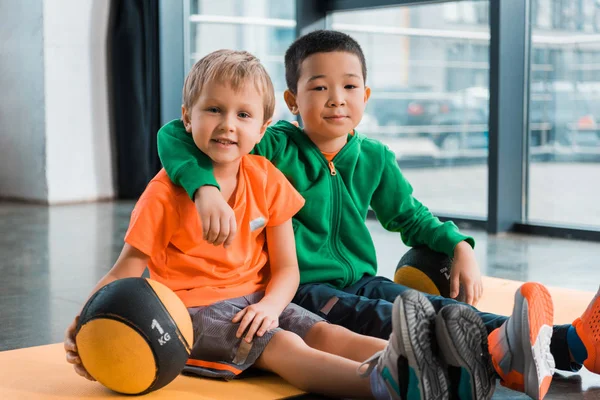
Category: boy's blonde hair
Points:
column 232, row 67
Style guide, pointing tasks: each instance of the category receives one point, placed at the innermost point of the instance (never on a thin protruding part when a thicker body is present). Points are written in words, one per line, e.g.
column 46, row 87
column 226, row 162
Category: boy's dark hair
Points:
column 321, row 41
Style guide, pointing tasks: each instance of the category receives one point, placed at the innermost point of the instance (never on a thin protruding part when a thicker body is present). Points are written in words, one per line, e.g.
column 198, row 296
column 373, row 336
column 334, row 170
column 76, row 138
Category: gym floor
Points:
column 52, row 257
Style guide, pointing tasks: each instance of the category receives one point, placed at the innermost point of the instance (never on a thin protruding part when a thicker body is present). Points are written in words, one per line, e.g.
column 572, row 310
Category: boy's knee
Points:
column 323, row 331
column 318, row 329
column 286, row 338
column 282, row 342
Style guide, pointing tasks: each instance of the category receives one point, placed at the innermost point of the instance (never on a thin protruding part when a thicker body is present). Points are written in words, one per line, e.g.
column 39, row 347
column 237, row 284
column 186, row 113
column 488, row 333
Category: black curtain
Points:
column 135, row 97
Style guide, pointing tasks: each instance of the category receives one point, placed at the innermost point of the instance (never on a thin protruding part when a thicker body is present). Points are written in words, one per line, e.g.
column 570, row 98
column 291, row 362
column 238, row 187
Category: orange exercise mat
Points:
column 42, row 372
column 499, row 298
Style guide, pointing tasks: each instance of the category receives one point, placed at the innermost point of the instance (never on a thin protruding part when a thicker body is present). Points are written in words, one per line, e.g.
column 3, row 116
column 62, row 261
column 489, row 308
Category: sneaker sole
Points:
column 462, row 339
column 415, row 316
column 537, row 317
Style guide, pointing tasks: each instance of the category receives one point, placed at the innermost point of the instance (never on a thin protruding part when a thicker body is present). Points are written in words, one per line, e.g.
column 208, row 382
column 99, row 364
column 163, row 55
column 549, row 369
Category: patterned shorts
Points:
column 218, row 353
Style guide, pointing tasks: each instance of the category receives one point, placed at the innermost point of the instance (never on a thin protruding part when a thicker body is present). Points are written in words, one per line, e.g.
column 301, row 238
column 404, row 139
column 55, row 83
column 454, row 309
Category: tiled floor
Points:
column 52, row 257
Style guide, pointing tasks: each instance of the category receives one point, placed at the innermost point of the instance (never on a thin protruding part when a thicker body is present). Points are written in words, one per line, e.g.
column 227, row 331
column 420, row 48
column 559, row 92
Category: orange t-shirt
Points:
column 165, row 226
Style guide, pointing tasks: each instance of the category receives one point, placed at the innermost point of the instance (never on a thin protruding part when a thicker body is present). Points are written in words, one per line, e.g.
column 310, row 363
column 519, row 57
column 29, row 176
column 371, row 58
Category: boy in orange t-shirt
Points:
column 239, row 297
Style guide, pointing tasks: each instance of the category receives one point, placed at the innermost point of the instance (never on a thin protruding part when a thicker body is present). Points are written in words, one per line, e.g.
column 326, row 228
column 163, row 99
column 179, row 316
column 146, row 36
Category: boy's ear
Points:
column 185, row 117
column 263, row 129
column 290, row 100
column 367, row 93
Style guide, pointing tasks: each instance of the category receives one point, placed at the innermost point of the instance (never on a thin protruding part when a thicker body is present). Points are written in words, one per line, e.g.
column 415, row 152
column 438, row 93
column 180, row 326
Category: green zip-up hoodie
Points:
column 332, row 240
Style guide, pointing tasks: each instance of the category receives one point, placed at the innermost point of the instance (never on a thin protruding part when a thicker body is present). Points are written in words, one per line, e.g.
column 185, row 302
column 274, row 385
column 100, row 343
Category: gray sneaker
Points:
column 408, row 365
column 462, row 340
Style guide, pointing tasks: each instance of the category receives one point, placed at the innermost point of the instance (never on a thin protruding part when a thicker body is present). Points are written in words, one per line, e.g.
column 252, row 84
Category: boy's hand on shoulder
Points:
column 465, row 271
column 71, row 350
column 217, row 217
column 258, row 319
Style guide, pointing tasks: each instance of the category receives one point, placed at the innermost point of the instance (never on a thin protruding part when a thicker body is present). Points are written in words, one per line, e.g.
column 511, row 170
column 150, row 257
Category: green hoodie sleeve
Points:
column 398, row 211
column 184, row 163
column 187, row 166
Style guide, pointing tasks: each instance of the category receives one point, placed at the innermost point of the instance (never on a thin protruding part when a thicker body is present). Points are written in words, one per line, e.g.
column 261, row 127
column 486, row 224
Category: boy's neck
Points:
column 227, row 178
column 327, row 144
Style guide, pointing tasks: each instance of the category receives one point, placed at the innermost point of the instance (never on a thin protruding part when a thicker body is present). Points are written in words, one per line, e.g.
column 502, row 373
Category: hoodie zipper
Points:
column 336, row 210
column 335, row 225
column 332, row 169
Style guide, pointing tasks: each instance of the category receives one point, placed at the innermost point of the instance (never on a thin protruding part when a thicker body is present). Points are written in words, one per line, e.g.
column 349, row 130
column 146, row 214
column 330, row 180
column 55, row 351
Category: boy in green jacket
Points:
column 340, row 173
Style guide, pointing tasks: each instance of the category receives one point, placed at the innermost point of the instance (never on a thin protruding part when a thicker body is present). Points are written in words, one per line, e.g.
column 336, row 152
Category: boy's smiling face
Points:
column 331, row 96
column 226, row 123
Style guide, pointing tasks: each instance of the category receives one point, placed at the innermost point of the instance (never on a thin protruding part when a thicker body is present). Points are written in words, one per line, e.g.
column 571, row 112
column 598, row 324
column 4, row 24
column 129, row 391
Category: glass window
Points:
column 470, row 12
column 428, row 69
column 564, row 112
column 542, row 13
column 590, row 10
column 265, row 28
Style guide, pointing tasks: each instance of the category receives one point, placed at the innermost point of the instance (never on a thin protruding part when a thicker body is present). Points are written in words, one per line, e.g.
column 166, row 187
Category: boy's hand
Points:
column 217, row 217
column 71, row 349
column 260, row 317
column 465, row 271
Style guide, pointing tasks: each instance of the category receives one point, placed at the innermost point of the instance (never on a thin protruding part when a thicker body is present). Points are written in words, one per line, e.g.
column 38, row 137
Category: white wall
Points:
column 54, row 119
column 22, row 107
column 78, row 150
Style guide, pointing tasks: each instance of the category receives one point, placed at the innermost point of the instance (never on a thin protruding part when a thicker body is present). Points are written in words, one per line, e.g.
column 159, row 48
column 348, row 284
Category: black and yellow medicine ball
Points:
column 134, row 335
column 427, row 271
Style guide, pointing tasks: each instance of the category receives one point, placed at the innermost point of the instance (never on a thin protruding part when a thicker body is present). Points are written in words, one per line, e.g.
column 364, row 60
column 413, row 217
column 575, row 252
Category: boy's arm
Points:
column 153, row 221
column 283, row 284
column 131, row 263
column 184, row 163
column 283, row 202
column 399, row 211
column 285, row 275
column 187, row 166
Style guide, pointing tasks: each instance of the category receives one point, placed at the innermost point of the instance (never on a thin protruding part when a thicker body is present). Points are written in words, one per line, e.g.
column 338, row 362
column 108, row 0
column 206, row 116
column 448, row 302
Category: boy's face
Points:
column 331, row 96
column 226, row 124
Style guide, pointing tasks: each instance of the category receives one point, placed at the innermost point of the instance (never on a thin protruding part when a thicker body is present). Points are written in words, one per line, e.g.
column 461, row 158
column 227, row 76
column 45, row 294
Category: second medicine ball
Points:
column 134, row 335
column 427, row 271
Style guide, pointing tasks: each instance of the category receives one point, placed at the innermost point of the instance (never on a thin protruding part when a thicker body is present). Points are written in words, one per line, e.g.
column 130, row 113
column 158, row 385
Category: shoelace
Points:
column 372, row 361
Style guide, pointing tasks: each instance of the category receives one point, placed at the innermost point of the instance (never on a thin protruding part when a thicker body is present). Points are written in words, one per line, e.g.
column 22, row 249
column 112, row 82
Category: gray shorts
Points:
column 218, row 353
